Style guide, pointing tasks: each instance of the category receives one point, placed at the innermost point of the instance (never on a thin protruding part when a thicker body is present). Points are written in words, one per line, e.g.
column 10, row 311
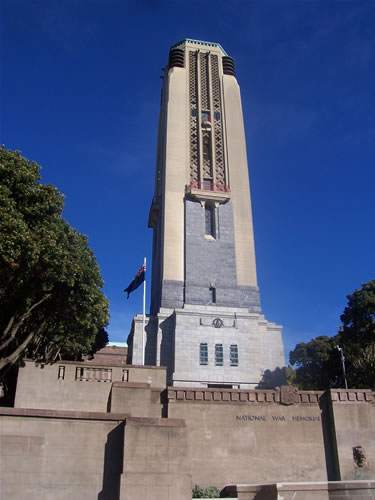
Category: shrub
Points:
column 210, row 492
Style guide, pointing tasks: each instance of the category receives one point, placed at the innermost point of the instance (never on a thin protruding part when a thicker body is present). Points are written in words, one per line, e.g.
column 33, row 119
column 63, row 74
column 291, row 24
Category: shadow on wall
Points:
column 167, row 345
column 113, row 464
column 150, row 346
column 273, row 378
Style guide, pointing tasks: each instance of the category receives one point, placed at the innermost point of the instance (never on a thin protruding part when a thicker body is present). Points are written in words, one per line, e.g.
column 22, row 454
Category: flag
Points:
column 137, row 281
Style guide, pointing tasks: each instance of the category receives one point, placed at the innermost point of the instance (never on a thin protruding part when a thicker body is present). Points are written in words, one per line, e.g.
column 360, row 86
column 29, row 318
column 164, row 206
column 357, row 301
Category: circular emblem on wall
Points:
column 217, row 323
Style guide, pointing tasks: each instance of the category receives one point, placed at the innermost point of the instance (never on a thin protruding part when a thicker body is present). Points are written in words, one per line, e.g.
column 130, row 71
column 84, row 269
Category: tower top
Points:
column 199, row 42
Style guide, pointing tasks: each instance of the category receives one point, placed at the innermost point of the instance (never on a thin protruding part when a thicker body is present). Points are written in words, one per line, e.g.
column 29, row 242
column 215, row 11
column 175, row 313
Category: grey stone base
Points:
column 173, row 338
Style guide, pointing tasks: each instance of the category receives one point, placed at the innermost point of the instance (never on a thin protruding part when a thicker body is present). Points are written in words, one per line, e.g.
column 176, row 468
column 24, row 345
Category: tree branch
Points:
column 8, row 327
column 15, row 329
column 12, row 358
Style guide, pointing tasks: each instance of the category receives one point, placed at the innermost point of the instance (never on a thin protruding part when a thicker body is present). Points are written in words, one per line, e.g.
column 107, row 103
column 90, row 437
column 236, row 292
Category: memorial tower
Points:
column 205, row 321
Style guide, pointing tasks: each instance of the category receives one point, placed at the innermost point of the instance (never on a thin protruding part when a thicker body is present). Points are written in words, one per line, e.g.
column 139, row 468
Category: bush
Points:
column 210, row 492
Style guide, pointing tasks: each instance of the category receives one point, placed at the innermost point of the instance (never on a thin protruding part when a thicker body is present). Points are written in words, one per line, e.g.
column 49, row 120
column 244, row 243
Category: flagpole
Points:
column 144, row 314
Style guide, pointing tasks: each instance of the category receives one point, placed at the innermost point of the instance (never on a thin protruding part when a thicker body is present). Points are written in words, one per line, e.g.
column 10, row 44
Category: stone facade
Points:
column 174, row 339
column 203, row 264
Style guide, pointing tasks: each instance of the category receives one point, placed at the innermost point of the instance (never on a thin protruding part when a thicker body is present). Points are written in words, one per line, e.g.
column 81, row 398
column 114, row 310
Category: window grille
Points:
column 219, row 357
column 233, row 355
column 203, row 354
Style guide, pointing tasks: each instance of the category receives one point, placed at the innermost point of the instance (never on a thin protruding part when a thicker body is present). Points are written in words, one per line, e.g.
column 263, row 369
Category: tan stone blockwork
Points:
column 176, row 160
column 239, row 184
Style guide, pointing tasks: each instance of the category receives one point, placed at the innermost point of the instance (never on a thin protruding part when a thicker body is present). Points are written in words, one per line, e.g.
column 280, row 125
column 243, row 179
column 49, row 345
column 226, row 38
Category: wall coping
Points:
column 97, row 364
column 352, row 396
column 64, row 414
column 285, row 395
column 302, row 486
column 156, row 422
column 132, row 385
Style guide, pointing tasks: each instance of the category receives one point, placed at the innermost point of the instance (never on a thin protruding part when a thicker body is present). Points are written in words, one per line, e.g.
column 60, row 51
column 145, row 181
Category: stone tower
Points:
column 205, row 321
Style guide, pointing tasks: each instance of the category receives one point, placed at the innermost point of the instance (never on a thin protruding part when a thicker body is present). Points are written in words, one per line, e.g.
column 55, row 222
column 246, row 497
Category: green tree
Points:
column 317, row 363
column 358, row 336
column 51, row 301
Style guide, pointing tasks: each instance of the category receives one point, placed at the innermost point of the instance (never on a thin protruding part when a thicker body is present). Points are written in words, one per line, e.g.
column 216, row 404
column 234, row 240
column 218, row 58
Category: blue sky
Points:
column 80, row 93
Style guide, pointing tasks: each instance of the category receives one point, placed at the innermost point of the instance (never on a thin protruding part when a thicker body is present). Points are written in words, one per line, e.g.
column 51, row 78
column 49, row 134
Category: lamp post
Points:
column 343, row 364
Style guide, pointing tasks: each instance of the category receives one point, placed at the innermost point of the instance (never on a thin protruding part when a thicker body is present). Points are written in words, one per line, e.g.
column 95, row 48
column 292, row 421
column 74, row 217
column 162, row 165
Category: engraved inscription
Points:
column 278, row 418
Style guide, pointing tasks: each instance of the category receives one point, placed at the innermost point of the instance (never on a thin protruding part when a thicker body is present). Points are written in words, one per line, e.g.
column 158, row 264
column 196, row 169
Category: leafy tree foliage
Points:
column 51, row 303
column 358, row 336
column 318, row 362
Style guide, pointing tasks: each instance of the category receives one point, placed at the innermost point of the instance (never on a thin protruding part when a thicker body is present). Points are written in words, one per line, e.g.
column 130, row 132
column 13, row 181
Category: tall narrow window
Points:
column 203, row 354
column 209, row 214
column 212, row 294
column 233, row 355
column 219, row 358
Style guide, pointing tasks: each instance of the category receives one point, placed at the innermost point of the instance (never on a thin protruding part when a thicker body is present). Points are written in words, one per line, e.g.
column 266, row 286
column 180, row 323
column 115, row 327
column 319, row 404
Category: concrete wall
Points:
column 249, row 436
column 224, row 436
column 353, row 424
column 136, row 399
column 60, row 456
column 155, row 460
column 41, row 387
column 338, row 490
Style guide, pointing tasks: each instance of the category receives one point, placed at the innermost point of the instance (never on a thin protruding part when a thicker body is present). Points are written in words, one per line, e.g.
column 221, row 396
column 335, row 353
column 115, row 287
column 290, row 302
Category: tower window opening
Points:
column 233, row 355
column 206, row 152
column 219, row 357
column 212, row 294
column 203, row 354
column 209, row 214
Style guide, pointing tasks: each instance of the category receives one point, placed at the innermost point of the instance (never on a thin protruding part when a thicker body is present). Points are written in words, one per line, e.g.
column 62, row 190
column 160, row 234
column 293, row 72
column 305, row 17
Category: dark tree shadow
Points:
column 273, row 378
